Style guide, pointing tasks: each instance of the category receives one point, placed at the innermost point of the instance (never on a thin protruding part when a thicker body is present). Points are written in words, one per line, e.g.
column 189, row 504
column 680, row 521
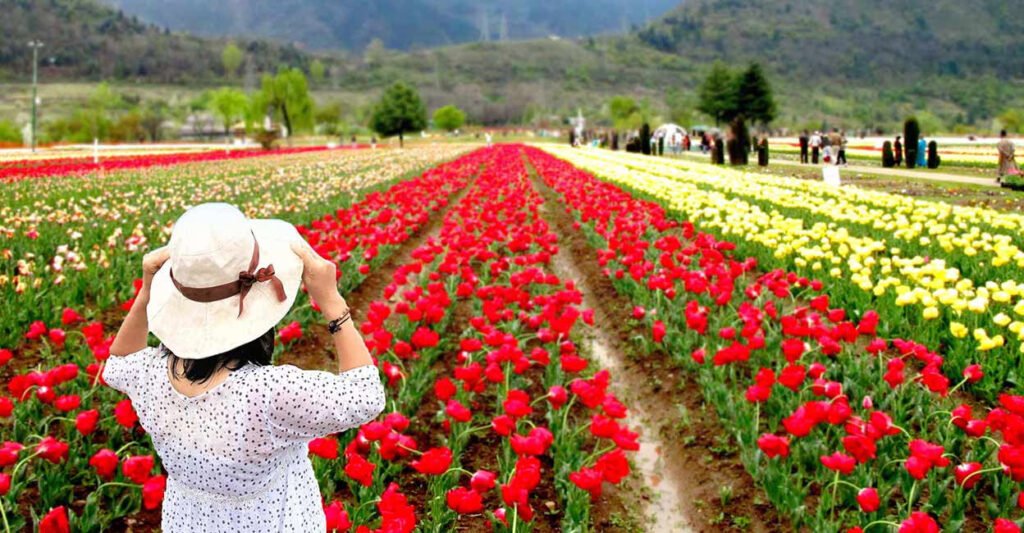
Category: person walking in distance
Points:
column 815, row 147
column 805, row 141
column 897, row 150
column 841, row 155
column 1007, row 157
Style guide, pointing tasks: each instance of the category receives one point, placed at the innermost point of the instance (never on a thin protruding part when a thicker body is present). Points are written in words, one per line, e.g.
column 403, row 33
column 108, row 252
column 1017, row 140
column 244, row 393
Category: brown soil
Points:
column 692, row 455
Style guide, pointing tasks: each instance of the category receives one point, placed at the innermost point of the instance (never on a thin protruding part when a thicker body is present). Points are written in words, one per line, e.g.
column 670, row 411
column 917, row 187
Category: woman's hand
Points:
column 151, row 263
column 132, row 335
column 321, row 279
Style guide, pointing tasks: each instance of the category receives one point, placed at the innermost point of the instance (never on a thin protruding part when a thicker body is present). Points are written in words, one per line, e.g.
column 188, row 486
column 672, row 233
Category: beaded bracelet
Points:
column 334, row 326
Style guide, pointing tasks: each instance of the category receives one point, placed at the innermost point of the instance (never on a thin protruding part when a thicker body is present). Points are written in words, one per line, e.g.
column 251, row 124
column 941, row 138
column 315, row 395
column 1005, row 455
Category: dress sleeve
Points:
column 305, row 404
column 126, row 372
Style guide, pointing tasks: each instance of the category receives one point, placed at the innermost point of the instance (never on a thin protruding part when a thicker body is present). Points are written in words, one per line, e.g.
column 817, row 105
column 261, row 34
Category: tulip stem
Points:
column 957, row 387
column 413, row 450
column 835, row 492
column 14, row 473
column 979, row 472
column 3, row 514
column 910, row 497
column 125, row 447
column 842, row 482
column 881, row 523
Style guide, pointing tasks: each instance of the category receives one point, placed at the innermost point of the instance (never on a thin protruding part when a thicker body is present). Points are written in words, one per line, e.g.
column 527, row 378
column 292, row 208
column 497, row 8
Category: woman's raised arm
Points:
column 134, row 330
column 321, row 281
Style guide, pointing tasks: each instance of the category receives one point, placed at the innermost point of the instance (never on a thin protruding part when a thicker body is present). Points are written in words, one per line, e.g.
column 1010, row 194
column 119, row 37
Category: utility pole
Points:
column 35, row 45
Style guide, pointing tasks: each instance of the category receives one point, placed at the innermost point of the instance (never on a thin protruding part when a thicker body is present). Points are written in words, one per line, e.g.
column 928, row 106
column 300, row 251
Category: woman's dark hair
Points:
column 257, row 352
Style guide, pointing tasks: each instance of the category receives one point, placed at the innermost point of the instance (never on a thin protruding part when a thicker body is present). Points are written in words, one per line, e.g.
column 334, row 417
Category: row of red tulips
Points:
column 491, row 409
column 68, row 434
column 22, row 169
column 843, row 429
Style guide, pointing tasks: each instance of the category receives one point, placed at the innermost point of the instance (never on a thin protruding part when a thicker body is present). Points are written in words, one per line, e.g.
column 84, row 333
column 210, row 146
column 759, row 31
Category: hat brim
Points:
column 196, row 330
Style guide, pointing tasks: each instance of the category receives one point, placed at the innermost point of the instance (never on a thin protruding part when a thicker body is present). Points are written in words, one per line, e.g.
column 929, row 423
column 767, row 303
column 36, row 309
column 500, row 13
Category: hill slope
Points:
column 864, row 40
column 84, row 39
column 400, row 24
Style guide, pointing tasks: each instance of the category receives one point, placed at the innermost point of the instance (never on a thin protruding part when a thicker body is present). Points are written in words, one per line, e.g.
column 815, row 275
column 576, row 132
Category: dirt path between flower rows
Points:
column 692, row 471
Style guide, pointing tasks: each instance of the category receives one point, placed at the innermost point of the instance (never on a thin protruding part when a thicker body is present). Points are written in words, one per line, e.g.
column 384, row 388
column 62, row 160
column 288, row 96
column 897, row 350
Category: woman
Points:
column 231, row 429
column 897, row 150
column 1007, row 160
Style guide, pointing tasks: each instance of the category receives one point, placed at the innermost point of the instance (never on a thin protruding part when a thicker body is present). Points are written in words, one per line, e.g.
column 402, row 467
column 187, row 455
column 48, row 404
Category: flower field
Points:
column 860, row 351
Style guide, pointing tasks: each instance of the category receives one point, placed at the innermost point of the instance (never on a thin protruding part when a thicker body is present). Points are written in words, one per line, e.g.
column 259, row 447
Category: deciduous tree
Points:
column 399, row 111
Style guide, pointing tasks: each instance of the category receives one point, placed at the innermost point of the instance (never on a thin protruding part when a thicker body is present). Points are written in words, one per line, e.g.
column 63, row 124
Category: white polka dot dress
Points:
column 236, row 456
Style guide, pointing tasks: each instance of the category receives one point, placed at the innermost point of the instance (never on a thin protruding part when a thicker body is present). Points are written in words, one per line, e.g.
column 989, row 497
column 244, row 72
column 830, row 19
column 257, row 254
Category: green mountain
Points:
column 861, row 64
column 877, row 40
column 399, row 24
column 85, row 39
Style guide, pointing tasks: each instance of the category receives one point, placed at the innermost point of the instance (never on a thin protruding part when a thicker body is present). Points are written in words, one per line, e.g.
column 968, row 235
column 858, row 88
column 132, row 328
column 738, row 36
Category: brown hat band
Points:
column 240, row 286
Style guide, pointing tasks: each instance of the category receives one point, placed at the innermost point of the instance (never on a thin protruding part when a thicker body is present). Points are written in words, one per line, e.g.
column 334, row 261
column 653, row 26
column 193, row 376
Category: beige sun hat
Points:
column 228, row 280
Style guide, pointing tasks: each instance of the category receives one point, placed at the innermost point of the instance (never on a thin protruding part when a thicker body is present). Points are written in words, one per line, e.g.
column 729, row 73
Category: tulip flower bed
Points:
column 77, row 445
column 23, row 169
column 76, row 242
column 844, row 429
column 907, row 259
column 495, row 420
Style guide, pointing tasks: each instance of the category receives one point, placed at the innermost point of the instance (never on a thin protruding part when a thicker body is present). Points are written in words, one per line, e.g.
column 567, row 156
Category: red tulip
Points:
column 793, row 349
column 464, row 501
column 137, row 468
column 36, row 330
column 588, row 479
column 425, row 338
column 613, row 466
column 433, row 462
column 919, row 523
column 337, row 517
column 290, row 333
column 324, row 447
column 482, row 481
column 444, row 389
column 125, row 415
column 55, row 521
column 52, row 450
column 153, row 492
column 773, row 446
column 839, row 462
column 70, row 317
column 1002, row 525
column 965, row 474
column 5, row 356
column 973, row 373
column 557, row 396
column 868, row 500
column 5, row 484
column 658, row 331
column 359, row 469
column 67, row 402
column 457, row 411
column 86, row 421
column 105, row 462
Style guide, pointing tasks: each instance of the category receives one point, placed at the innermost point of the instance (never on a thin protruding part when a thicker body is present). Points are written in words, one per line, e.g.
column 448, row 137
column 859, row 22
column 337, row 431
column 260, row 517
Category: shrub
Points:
column 888, row 158
column 645, row 139
column 933, row 155
column 911, row 134
column 738, row 143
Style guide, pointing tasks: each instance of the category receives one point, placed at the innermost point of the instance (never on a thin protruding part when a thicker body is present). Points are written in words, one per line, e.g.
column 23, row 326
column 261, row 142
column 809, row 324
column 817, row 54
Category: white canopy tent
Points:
column 668, row 130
